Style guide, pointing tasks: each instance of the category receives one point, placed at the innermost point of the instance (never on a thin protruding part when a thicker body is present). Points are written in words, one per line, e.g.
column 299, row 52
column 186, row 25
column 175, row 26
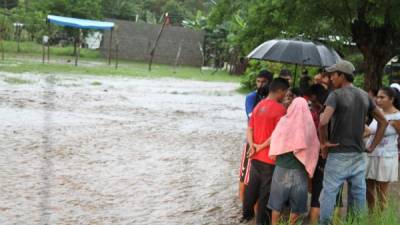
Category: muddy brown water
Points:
column 96, row 150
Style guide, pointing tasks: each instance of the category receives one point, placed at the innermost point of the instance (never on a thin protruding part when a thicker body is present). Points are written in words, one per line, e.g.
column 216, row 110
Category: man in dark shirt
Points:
column 346, row 109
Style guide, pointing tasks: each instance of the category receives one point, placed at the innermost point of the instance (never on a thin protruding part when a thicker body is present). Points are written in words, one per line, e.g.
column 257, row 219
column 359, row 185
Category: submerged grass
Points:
column 15, row 80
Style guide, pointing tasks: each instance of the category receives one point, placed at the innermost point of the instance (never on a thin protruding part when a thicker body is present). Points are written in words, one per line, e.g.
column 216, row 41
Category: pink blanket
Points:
column 296, row 132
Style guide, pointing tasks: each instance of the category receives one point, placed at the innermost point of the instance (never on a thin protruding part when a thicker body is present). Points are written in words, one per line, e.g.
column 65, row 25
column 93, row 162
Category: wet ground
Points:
column 100, row 150
column 97, row 150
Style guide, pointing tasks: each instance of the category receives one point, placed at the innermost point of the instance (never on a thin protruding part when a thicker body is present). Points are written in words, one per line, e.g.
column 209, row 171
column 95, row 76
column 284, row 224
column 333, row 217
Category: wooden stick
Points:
column 43, row 52
column 156, row 42
column 178, row 55
column 18, row 36
column 48, row 43
column 116, row 55
column 78, row 48
column 2, row 45
column 109, row 47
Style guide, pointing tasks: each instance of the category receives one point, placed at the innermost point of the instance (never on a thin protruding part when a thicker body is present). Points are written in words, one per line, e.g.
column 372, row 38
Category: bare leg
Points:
column 293, row 218
column 275, row 217
column 314, row 215
column 381, row 191
column 371, row 186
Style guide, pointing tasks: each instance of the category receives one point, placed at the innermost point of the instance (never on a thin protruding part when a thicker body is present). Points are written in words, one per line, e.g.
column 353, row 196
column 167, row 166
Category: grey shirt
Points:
column 351, row 106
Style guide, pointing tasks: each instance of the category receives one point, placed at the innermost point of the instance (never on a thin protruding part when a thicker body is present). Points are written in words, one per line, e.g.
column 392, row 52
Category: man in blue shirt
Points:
column 263, row 79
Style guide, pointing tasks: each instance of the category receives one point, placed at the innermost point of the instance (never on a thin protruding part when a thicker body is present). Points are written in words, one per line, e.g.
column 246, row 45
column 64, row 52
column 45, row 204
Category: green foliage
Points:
column 373, row 25
column 360, row 78
column 9, row 4
column 33, row 22
column 248, row 81
column 121, row 9
column 33, row 48
column 150, row 11
column 175, row 11
column 198, row 23
column 86, row 9
column 16, row 80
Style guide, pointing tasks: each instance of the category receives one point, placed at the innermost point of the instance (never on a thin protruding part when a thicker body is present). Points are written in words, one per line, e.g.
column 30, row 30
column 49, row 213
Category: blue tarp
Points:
column 80, row 23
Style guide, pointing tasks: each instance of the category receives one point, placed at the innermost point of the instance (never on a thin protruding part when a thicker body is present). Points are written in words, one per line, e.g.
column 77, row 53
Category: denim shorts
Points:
column 289, row 186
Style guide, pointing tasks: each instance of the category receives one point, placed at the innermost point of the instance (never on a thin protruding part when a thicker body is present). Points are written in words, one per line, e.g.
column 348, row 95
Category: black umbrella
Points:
column 304, row 53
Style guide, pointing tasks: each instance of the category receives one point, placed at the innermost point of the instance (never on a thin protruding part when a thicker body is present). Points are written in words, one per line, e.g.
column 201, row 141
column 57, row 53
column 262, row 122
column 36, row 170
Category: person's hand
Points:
column 258, row 147
column 324, row 148
column 327, row 145
column 268, row 142
column 367, row 132
column 370, row 149
column 324, row 153
column 252, row 151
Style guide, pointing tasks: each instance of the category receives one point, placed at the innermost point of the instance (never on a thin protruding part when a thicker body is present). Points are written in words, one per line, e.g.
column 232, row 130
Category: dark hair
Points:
column 374, row 91
column 392, row 93
column 296, row 91
column 349, row 77
column 285, row 72
column 319, row 91
column 266, row 74
column 278, row 84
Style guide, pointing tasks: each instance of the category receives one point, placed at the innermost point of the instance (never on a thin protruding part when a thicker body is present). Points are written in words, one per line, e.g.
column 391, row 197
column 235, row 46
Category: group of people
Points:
column 314, row 140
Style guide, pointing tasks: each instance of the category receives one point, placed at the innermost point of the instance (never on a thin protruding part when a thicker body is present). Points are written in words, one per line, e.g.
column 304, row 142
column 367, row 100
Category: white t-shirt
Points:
column 388, row 145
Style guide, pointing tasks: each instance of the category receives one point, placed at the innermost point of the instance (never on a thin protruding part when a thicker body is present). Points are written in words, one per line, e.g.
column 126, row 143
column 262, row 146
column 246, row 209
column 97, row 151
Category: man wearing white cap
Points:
column 346, row 109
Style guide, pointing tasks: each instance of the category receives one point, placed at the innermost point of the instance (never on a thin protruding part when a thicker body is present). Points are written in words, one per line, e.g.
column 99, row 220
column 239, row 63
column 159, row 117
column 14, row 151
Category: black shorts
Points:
column 316, row 185
column 245, row 165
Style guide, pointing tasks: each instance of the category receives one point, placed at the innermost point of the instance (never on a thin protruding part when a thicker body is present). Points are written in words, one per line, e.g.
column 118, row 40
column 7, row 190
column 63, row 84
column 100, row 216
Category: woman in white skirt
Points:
column 383, row 162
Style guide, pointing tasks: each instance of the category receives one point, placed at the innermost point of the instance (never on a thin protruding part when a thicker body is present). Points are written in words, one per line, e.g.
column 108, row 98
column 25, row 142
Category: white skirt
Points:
column 384, row 169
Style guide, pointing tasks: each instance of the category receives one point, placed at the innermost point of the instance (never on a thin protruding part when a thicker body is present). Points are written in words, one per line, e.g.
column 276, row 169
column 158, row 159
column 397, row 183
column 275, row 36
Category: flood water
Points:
column 99, row 150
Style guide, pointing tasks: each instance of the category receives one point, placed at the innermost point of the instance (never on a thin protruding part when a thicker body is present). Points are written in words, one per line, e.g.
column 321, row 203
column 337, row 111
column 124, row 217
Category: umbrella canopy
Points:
column 305, row 53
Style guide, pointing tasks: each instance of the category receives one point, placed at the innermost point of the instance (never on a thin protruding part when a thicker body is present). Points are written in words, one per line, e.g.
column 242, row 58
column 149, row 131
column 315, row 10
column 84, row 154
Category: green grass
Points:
column 15, row 80
column 389, row 216
column 96, row 83
column 33, row 48
column 92, row 63
column 60, row 65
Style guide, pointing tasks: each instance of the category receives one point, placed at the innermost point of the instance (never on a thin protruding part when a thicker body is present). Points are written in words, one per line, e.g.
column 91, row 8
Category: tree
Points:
column 121, row 9
column 8, row 4
column 372, row 25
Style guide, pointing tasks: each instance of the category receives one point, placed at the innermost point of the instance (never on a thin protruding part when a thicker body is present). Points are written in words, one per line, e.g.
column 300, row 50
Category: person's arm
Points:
column 250, row 136
column 380, row 131
column 323, row 130
column 263, row 145
column 396, row 125
column 249, row 105
column 367, row 132
column 250, row 141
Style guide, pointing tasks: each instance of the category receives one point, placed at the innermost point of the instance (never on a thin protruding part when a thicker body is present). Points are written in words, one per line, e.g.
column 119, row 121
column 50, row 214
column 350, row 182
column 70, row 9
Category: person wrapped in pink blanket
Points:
column 296, row 146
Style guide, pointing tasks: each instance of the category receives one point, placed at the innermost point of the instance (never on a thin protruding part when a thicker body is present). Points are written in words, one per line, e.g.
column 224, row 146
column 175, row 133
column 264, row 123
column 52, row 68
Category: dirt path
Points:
column 96, row 150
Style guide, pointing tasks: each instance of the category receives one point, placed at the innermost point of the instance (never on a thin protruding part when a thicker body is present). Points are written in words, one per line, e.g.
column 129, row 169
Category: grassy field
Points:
column 33, row 48
column 29, row 59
